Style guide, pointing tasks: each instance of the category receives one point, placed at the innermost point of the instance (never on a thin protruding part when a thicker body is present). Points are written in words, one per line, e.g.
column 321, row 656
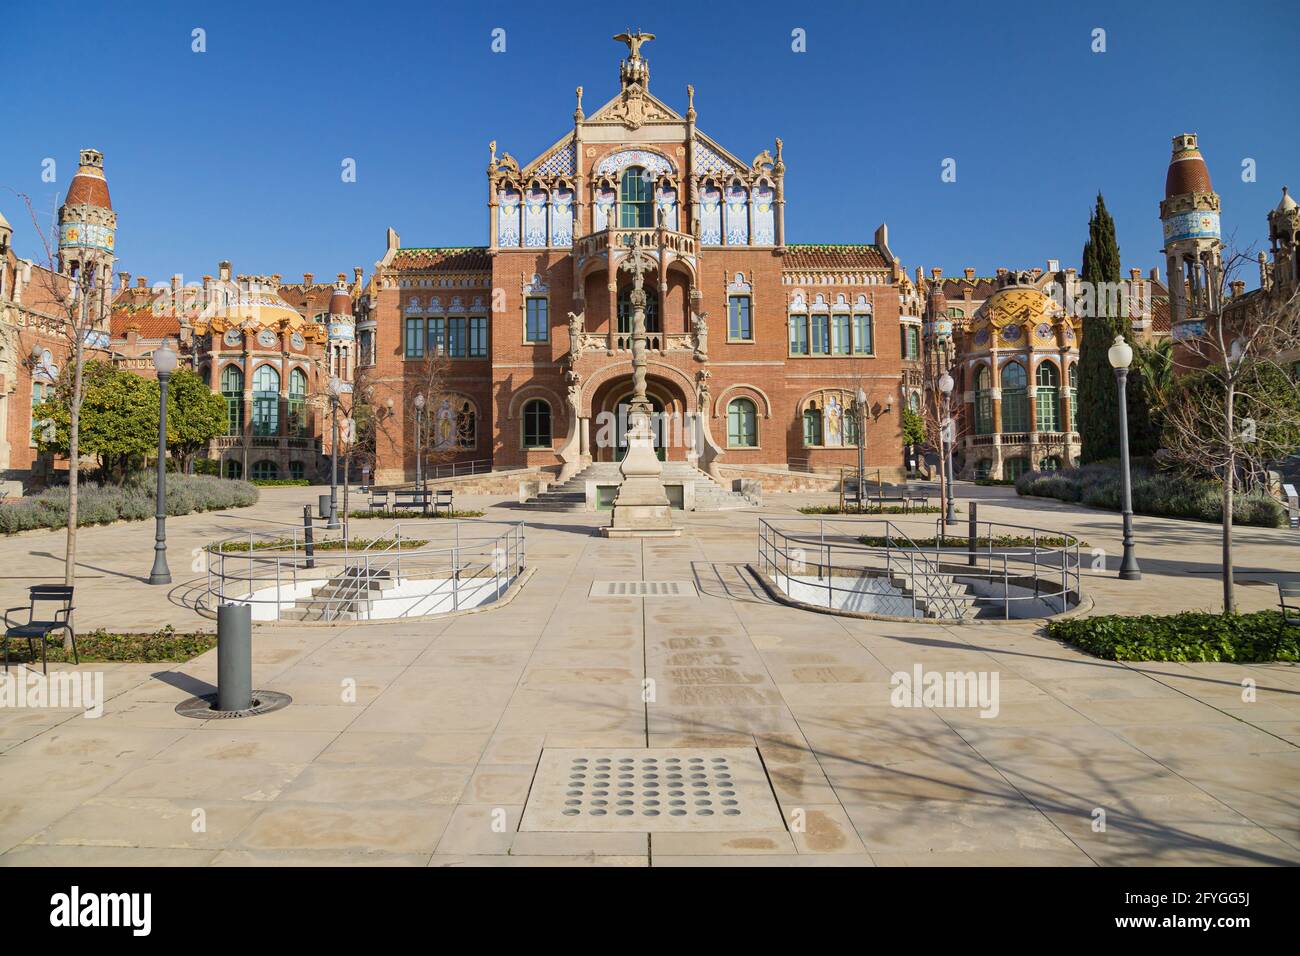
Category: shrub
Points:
column 207, row 466
column 1189, row 636
column 280, row 482
column 132, row 501
column 406, row 514
column 869, row 510
column 1156, row 493
column 100, row 645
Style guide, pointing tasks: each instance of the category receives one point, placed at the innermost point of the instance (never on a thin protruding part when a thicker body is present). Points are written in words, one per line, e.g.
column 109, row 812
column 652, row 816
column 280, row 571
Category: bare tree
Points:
column 1235, row 409
column 76, row 308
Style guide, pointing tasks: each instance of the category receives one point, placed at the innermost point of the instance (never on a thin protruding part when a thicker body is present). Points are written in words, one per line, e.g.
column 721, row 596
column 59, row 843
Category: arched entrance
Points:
column 610, row 406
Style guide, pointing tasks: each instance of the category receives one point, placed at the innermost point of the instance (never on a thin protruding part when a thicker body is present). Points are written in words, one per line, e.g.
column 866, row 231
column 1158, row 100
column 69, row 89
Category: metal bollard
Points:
column 307, row 537
column 972, row 530
column 234, row 657
column 323, row 503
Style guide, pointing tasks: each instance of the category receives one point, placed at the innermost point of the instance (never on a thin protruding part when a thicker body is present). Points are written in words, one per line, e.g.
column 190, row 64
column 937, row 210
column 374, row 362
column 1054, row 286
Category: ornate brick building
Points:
column 758, row 343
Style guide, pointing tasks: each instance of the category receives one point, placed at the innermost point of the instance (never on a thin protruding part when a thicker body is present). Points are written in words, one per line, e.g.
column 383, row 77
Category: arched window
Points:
column 983, row 401
column 234, row 469
column 812, row 426
column 537, row 424
column 266, row 401
column 742, row 424
column 1013, row 468
column 1015, row 398
column 232, row 389
column 1074, row 396
column 265, row 470
column 297, row 402
column 1048, row 380
column 466, row 426
column 625, row 310
column 636, row 202
column 296, row 470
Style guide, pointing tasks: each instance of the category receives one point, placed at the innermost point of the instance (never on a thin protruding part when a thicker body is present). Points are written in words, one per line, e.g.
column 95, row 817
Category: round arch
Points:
column 662, row 369
column 528, row 392
column 767, row 402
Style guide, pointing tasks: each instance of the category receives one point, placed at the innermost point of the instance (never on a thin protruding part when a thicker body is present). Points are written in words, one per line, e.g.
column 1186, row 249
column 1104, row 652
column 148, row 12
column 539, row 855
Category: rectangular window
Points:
column 537, row 327
column 366, row 346
column 478, row 344
column 740, row 328
column 863, row 341
column 821, row 335
column 437, row 336
column 41, row 391
column 456, row 342
column 840, row 333
column 798, row 335
column 415, row 338
column 911, row 343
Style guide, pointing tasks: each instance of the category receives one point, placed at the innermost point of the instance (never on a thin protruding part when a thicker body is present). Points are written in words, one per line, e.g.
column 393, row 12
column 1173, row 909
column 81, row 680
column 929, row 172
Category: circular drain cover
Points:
column 205, row 706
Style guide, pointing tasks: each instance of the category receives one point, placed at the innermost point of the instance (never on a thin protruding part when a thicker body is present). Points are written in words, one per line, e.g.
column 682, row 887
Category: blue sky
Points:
column 235, row 153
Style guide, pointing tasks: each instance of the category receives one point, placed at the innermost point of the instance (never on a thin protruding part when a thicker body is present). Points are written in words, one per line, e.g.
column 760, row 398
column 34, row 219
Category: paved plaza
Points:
column 437, row 760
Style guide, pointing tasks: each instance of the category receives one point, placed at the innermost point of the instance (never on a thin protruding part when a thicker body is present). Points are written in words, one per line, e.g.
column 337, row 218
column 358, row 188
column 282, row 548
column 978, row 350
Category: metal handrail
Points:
column 930, row 573
column 467, row 560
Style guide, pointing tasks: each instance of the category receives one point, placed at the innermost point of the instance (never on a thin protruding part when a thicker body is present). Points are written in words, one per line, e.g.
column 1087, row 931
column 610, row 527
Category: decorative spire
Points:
column 577, row 113
column 690, row 102
column 634, row 71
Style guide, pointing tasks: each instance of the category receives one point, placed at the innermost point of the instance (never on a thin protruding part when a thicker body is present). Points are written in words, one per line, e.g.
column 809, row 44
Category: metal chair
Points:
column 378, row 501
column 41, row 628
column 1288, row 602
column 443, row 501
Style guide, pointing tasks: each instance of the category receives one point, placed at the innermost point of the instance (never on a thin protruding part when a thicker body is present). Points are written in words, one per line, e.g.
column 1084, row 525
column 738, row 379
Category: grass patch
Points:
column 409, row 514
column 1189, row 636
column 332, row 544
column 1001, row 541
column 100, row 646
column 886, row 510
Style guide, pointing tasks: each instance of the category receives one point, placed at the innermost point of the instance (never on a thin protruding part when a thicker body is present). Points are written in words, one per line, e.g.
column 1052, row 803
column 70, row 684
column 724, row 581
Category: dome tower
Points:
column 1190, row 216
column 88, row 232
column 342, row 330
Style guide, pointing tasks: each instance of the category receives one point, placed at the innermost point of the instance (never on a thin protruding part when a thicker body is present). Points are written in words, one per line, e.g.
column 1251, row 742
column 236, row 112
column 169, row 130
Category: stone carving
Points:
column 700, row 325
column 575, row 335
column 702, row 389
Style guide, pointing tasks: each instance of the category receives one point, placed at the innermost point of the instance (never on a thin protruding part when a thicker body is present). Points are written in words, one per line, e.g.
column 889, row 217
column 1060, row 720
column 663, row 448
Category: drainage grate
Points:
column 646, row 589
column 651, row 790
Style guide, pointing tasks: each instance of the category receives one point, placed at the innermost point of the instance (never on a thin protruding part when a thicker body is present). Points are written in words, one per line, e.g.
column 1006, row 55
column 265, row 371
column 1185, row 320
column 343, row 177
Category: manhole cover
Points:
column 651, row 790
column 204, row 707
column 643, row 589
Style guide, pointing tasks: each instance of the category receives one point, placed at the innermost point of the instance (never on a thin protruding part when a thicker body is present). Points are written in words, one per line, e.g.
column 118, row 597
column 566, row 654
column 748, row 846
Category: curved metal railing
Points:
column 829, row 563
column 412, row 569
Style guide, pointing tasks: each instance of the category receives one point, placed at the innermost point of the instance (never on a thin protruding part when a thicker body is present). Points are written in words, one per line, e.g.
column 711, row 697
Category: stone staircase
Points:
column 345, row 597
column 572, row 494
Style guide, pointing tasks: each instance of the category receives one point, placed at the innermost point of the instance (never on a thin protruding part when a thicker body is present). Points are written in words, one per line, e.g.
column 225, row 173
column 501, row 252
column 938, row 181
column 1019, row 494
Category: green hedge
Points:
column 1189, row 636
column 405, row 514
column 1156, row 493
column 280, row 482
column 133, row 501
column 98, row 646
column 887, row 510
column 1045, row 541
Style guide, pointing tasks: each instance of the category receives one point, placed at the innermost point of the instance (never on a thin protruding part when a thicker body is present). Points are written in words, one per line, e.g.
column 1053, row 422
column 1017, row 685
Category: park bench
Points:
column 40, row 628
column 1288, row 602
column 413, row 500
column 443, row 501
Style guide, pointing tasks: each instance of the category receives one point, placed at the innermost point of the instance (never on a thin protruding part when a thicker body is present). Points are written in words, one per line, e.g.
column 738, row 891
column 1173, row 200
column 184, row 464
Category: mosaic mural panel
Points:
column 652, row 162
column 535, row 217
column 559, row 163
column 666, row 205
column 508, row 218
column 604, row 208
column 562, row 218
column 710, row 215
column 764, row 214
column 737, row 215
column 707, row 161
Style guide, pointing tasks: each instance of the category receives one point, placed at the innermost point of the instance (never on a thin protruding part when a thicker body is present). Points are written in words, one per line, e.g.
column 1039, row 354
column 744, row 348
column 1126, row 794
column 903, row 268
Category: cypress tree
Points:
column 1097, row 412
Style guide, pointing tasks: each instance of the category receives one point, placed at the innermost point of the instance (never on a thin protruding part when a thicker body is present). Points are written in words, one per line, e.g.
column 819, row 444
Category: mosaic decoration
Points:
column 710, row 215
column 943, row 329
column 456, row 305
column 559, row 163
column 764, row 214
column 86, row 236
column 834, row 417
column 797, row 304
column 341, row 332
column 413, row 304
column 435, row 304
column 267, row 339
column 604, row 208
column 982, row 337
column 739, row 285
column 535, row 218
column 1043, row 331
column 562, row 217
column 737, row 215
column 508, row 218
column 1192, row 225
column 234, row 337
column 297, row 341
column 1011, row 333
column 666, row 206
column 707, row 161
column 444, row 429
column 652, row 162
column 536, row 286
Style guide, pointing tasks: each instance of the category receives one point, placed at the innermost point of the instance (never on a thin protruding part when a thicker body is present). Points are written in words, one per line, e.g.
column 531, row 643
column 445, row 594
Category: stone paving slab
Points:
column 418, row 743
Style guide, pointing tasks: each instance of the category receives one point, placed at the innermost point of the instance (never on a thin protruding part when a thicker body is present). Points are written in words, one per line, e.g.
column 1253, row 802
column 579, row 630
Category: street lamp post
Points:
column 945, row 438
column 164, row 363
column 862, row 439
column 335, row 388
column 419, row 438
column 1120, row 355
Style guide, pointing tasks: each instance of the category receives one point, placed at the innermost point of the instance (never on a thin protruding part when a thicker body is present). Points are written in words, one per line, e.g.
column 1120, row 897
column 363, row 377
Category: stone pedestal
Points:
column 641, row 508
